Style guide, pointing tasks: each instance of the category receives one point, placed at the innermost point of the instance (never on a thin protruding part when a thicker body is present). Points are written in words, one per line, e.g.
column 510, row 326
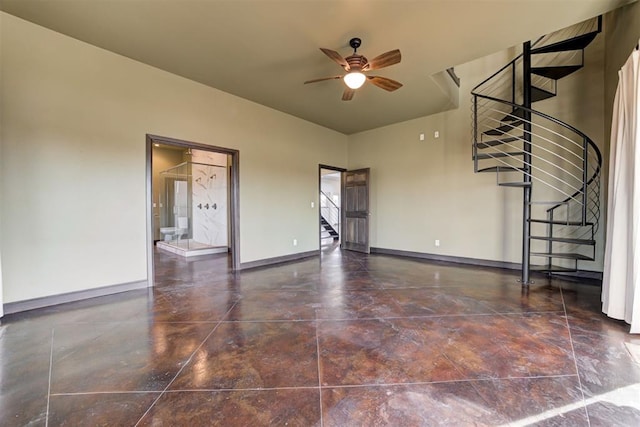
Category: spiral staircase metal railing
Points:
column 527, row 148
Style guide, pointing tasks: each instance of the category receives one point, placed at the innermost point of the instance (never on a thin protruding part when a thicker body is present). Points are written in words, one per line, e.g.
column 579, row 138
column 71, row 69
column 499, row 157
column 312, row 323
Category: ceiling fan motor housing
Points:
column 356, row 62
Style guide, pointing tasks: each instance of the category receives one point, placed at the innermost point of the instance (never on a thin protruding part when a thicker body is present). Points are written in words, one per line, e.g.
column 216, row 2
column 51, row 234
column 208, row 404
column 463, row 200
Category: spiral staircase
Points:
column 528, row 149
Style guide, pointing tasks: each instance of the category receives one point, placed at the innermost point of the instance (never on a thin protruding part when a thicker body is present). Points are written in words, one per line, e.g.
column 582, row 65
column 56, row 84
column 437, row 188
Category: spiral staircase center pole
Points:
column 526, row 202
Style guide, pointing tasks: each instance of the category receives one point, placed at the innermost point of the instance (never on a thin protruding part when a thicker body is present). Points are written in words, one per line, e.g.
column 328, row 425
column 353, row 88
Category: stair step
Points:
column 566, row 240
column 516, row 114
column 575, row 43
column 501, row 168
column 515, row 184
column 572, row 223
column 555, row 73
column 553, row 269
column 563, row 255
column 484, row 156
column 538, row 94
column 494, row 142
column 325, row 227
column 501, row 130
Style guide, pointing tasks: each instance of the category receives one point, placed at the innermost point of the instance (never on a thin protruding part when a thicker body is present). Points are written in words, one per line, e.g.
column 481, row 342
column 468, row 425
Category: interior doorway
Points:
column 330, row 207
column 192, row 200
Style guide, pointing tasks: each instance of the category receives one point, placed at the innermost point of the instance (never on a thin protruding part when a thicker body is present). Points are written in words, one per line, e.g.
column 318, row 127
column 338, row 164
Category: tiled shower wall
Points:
column 209, row 198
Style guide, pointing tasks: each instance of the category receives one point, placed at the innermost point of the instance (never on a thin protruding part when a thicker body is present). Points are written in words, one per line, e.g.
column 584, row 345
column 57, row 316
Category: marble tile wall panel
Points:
column 209, row 204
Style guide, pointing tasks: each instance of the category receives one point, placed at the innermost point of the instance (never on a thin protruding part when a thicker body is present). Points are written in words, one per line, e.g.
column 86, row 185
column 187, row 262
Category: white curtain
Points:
column 1, row 303
column 621, row 279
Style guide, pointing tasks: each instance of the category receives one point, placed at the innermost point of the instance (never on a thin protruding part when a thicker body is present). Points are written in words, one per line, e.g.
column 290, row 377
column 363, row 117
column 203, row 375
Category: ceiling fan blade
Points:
column 385, row 83
column 323, row 79
column 348, row 93
column 384, row 60
column 336, row 57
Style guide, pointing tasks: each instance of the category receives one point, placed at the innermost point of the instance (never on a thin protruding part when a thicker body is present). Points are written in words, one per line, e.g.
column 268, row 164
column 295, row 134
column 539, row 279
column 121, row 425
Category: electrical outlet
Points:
column 295, row 242
column 422, row 137
column 436, row 134
column 313, row 205
column 437, row 243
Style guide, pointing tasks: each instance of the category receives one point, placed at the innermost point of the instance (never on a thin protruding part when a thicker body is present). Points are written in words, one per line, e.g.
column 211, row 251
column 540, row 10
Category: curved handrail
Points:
column 495, row 74
column 566, row 126
column 536, row 112
column 503, row 68
column 593, row 177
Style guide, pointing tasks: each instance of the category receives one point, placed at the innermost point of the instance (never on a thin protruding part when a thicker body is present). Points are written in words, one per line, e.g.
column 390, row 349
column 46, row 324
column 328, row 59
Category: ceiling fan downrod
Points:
column 355, row 44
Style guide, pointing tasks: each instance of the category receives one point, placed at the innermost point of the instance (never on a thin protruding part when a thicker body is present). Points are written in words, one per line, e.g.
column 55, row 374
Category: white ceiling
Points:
column 263, row 50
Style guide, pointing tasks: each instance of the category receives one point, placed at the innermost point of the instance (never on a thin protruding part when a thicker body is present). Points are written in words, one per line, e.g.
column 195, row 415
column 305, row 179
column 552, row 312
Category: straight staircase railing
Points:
column 330, row 215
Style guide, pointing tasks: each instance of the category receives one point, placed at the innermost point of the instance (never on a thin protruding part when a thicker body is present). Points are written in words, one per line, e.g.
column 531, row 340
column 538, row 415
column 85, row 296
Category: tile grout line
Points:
column 393, row 384
column 422, row 317
column 185, row 365
column 91, row 393
column 575, row 359
column 349, row 319
column 466, row 380
column 46, row 422
column 319, row 376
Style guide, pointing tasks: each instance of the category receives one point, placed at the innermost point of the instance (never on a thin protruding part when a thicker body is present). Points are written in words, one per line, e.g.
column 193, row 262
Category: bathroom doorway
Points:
column 192, row 200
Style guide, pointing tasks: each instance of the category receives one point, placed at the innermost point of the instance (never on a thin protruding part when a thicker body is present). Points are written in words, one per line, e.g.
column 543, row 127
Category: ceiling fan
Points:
column 355, row 65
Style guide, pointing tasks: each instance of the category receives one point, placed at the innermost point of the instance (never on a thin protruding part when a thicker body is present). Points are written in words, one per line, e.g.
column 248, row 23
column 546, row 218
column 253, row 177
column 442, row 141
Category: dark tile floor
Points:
column 342, row 340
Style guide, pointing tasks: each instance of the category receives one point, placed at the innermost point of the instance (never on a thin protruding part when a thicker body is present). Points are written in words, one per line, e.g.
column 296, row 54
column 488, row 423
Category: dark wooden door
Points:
column 356, row 211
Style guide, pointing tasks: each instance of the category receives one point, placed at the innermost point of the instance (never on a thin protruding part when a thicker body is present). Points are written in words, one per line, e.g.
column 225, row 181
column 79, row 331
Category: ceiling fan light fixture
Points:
column 356, row 65
column 354, row 80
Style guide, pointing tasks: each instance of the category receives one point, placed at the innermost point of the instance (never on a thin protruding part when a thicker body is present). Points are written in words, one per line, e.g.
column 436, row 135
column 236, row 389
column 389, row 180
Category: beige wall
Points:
column 426, row 190
column 73, row 162
column 73, row 122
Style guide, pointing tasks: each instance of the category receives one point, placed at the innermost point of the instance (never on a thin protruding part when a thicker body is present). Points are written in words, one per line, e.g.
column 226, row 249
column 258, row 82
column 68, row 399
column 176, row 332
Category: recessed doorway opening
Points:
column 330, row 206
column 192, row 200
